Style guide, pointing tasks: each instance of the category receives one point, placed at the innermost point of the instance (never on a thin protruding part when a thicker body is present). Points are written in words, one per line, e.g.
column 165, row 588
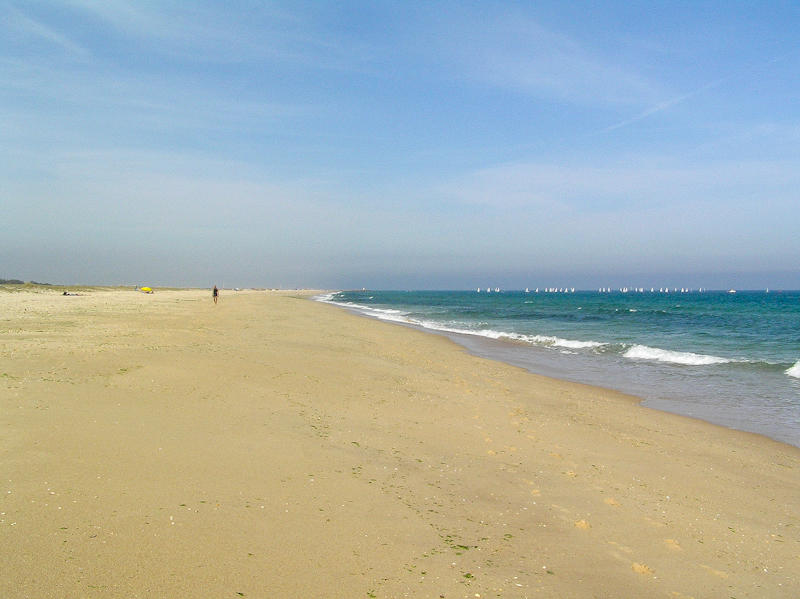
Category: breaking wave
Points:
column 794, row 371
column 403, row 317
column 633, row 352
column 643, row 352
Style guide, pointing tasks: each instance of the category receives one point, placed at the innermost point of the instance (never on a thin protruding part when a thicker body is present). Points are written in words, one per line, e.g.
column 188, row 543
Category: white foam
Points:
column 438, row 326
column 386, row 311
column 577, row 344
column 400, row 316
column 380, row 313
column 643, row 352
column 354, row 306
column 794, row 370
column 393, row 318
column 546, row 340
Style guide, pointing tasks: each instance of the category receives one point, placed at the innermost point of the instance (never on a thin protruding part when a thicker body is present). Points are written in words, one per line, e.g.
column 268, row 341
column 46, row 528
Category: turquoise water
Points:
column 729, row 358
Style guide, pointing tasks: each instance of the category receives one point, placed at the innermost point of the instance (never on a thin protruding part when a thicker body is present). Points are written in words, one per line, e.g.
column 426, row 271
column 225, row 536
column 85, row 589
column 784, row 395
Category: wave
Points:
column 643, row 352
column 572, row 344
column 402, row 317
column 794, row 371
column 545, row 340
column 633, row 352
column 329, row 298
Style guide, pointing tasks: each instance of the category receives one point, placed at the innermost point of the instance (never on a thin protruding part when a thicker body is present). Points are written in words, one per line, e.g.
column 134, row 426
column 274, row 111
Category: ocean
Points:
column 728, row 358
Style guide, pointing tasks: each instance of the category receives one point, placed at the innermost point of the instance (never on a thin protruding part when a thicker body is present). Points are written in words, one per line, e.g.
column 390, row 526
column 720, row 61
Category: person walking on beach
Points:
column 215, row 294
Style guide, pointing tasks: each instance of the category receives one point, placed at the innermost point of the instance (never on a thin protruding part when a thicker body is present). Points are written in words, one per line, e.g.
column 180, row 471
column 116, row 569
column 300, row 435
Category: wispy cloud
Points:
column 24, row 26
column 645, row 214
column 512, row 51
column 201, row 32
column 628, row 185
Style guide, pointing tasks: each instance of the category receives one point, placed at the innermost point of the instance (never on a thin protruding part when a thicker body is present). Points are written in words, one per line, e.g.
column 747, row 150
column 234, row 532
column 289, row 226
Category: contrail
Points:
column 661, row 106
column 665, row 104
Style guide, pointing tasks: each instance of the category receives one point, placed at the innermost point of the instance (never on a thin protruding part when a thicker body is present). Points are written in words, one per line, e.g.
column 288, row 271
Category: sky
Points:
column 400, row 145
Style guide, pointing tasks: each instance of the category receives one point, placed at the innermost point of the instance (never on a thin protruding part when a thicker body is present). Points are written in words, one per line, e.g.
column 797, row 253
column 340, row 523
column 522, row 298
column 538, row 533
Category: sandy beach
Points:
column 270, row 446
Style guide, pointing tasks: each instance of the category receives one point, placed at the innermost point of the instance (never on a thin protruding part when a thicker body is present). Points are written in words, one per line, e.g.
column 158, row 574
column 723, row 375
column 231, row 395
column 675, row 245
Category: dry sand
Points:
column 269, row 446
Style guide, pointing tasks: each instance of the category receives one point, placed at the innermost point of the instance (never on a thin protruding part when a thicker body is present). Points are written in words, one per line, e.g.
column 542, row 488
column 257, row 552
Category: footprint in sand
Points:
column 673, row 544
column 622, row 548
column 655, row 523
column 718, row 573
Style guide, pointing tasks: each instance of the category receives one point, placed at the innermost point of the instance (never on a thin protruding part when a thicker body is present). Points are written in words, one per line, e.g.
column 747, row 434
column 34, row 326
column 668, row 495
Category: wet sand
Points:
column 270, row 446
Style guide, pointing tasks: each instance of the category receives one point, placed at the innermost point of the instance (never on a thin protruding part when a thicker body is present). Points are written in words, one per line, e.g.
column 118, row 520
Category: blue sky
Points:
column 400, row 144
